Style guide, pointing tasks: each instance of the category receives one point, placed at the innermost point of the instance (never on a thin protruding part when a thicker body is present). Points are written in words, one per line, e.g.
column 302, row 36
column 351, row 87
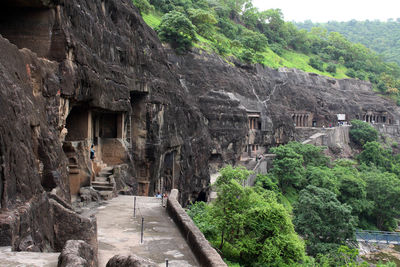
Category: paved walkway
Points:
column 119, row 233
column 10, row 258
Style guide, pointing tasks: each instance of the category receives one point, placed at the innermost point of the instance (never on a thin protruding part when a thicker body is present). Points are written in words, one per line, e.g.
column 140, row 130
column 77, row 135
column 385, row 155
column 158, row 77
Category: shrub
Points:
column 255, row 41
column 143, row 5
column 361, row 132
column 316, row 63
column 277, row 48
column 351, row 73
column 176, row 29
column 247, row 55
column 331, row 68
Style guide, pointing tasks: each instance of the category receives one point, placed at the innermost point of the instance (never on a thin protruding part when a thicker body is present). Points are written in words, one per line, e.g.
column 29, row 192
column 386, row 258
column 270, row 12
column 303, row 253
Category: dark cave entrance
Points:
column 31, row 25
column 78, row 124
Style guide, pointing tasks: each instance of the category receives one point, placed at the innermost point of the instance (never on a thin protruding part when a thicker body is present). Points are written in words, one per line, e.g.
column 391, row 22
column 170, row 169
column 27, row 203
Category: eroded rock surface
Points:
column 226, row 91
column 68, row 66
column 129, row 261
column 77, row 253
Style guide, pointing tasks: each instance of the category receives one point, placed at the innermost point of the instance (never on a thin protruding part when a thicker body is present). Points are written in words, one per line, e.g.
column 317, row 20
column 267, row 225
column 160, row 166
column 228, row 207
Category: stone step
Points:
column 106, row 195
column 73, row 166
column 107, row 169
column 103, row 187
column 73, row 171
column 104, row 174
column 101, row 179
column 101, row 183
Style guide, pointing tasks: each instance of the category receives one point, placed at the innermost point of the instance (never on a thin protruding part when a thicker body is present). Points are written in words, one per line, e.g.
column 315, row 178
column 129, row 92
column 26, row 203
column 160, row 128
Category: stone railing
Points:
column 201, row 248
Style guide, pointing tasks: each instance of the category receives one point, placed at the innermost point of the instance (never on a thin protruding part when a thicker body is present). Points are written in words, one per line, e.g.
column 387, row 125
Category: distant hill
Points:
column 382, row 37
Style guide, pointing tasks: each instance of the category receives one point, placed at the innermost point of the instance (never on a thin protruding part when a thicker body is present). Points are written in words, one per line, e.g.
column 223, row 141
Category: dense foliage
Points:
column 328, row 201
column 178, row 30
column 237, row 28
column 362, row 132
column 248, row 226
column 380, row 36
column 325, row 221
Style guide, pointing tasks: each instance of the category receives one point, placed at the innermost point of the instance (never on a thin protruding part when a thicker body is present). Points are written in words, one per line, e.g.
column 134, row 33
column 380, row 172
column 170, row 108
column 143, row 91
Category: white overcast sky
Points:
column 339, row 10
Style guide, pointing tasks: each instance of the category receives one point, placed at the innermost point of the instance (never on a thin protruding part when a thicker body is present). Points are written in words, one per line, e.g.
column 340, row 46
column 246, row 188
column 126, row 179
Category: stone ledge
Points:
column 205, row 254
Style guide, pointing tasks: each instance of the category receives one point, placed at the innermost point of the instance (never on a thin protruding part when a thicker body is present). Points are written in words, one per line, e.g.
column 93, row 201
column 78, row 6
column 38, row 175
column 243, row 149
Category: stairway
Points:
column 104, row 183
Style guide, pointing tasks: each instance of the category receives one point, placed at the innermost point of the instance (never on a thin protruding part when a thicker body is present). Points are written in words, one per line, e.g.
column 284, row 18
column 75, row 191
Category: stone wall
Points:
column 391, row 131
column 206, row 255
column 113, row 151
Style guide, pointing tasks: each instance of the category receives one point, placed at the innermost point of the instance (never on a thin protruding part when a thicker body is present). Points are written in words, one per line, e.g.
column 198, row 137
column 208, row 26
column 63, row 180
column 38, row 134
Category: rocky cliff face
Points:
column 278, row 95
column 62, row 60
column 93, row 54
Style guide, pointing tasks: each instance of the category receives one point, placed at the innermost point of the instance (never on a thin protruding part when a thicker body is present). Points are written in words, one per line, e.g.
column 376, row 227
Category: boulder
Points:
column 129, row 261
column 77, row 253
column 88, row 194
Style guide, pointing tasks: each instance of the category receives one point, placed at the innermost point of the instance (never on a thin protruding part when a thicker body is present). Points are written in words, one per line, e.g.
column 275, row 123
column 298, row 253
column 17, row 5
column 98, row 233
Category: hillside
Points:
column 380, row 36
column 237, row 30
column 93, row 103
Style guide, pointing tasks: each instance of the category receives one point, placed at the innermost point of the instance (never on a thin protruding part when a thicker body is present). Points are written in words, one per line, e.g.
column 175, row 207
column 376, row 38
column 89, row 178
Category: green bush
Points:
column 254, row 41
column 277, row 48
column 331, row 68
column 247, row 55
column 316, row 63
column 144, row 6
column 176, row 29
column 351, row 73
column 362, row 132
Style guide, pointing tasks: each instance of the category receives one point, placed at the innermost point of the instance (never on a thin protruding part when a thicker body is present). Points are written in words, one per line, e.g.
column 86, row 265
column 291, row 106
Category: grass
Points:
column 289, row 59
column 152, row 19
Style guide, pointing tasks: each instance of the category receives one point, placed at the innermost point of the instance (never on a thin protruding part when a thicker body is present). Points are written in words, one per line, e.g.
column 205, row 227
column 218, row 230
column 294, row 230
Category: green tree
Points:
column 322, row 220
column 255, row 41
column 248, row 227
column 288, row 167
column 144, row 6
column 312, row 155
column 203, row 20
column 316, row 63
column 362, row 132
column 322, row 177
column 176, row 29
column 353, row 191
column 331, row 68
column 383, row 189
column 374, row 153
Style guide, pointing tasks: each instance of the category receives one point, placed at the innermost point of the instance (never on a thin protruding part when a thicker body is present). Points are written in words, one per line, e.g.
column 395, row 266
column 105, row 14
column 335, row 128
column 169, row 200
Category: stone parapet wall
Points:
column 206, row 255
column 330, row 137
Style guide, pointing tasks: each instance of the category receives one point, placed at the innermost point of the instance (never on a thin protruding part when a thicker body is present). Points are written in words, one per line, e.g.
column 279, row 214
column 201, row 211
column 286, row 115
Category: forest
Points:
column 306, row 210
column 236, row 30
column 382, row 37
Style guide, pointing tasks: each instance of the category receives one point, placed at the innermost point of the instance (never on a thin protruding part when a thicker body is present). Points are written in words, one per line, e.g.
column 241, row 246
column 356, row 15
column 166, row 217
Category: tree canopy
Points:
column 176, row 29
column 323, row 220
column 247, row 227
